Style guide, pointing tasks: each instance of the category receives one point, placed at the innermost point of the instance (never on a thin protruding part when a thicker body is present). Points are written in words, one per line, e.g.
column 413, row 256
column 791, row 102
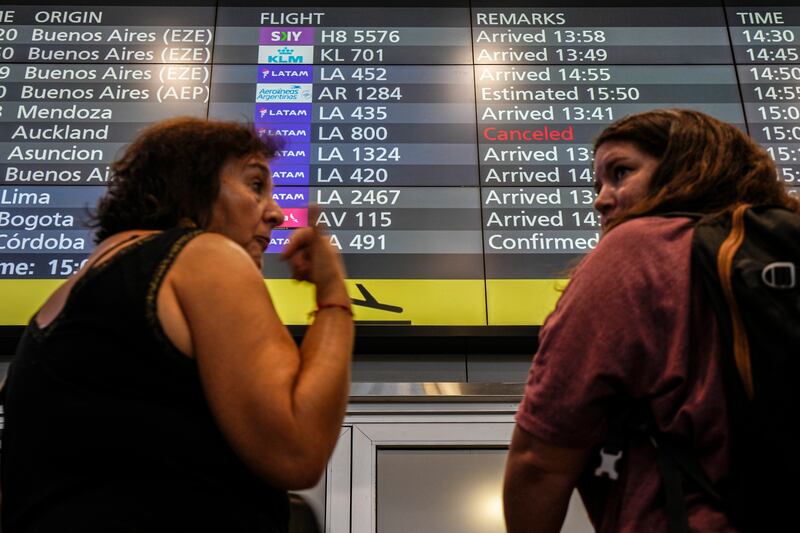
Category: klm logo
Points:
column 285, row 59
column 285, row 55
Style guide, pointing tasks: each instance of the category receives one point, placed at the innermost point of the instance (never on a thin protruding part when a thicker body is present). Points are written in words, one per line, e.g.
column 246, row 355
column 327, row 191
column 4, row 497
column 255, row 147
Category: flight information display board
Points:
column 447, row 143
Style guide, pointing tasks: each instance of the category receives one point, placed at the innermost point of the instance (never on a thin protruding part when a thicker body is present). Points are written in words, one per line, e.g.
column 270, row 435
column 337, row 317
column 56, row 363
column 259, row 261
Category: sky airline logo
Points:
column 286, row 55
column 289, row 174
column 295, row 154
column 289, row 132
column 283, row 92
column 291, row 196
column 277, row 240
column 296, row 74
column 286, row 36
column 273, row 113
column 295, row 217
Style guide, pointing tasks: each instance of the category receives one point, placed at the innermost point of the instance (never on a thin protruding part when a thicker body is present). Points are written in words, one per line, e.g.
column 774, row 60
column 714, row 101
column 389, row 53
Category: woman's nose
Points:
column 604, row 200
column 274, row 214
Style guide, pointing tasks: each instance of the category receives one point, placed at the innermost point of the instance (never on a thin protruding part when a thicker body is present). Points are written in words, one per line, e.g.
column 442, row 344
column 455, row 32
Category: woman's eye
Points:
column 621, row 172
column 258, row 186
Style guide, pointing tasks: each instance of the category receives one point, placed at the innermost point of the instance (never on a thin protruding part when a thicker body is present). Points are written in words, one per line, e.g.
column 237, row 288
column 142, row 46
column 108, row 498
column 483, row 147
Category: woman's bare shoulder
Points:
column 213, row 251
column 211, row 266
column 210, row 241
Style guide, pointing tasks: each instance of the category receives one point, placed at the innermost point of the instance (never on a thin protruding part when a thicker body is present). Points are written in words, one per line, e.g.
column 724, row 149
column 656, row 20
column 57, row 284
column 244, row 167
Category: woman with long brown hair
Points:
column 634, row 331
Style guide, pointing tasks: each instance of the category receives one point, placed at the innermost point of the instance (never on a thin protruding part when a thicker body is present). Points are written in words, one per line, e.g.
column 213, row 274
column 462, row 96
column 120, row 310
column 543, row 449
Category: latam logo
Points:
column 295, row 154
column 291, row 196
column 278, row 240
column 286, row 36
column 283, row 92
column 273, row 113
column 286, row 55
column 289, row 174
column 295, row 217
column 273, row 73
column 289, row 132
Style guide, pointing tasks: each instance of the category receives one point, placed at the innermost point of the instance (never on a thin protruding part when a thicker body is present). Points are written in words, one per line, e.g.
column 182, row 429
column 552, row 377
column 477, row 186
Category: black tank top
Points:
column 106, row 424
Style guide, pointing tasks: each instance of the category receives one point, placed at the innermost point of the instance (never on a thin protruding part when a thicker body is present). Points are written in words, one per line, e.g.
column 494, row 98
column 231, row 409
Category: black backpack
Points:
column 749, row 262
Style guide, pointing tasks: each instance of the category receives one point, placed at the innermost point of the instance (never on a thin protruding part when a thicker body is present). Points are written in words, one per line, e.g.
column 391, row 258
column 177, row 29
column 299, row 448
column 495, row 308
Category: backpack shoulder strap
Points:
column 676, row 464
column 741, row 346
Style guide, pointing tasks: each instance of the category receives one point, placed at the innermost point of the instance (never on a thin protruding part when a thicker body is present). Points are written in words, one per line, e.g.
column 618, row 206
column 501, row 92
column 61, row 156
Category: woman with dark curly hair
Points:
column 633, row 329
column 157, row 390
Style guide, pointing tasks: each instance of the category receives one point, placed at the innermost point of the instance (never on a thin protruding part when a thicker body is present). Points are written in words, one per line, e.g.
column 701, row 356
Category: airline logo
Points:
column 289, row 132
column 291, row 196
column 286, row 36
column 283, row 92
column 285, row 55
column 289, row 174
column 278, row 239
column 273, row 113
column 295, row 217
column 278, row 74
column 295, row 154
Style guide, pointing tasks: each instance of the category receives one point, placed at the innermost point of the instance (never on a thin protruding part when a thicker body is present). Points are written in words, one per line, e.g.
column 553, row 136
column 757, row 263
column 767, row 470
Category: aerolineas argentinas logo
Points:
column 285, row 55
column 283, row 92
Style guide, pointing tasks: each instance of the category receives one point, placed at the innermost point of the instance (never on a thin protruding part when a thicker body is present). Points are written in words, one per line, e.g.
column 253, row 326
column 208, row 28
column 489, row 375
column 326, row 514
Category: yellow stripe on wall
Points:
column 21, row 298
column 419, row 302
column 522, row 302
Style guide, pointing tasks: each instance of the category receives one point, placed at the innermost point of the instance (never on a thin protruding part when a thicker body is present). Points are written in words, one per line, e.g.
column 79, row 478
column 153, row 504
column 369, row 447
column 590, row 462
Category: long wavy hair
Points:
column 706, row 165
column 169, row 174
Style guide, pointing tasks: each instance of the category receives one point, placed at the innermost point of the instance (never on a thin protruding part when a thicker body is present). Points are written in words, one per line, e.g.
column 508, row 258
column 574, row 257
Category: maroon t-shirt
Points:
column 631, row 326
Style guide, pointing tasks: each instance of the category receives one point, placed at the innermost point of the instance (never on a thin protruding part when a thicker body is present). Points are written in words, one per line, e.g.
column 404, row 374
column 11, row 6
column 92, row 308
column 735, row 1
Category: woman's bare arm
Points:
column 538, row 483
column 280, row 407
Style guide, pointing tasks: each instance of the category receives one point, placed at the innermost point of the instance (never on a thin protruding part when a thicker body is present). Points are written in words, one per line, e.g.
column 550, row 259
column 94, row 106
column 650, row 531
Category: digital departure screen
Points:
column 447, row 143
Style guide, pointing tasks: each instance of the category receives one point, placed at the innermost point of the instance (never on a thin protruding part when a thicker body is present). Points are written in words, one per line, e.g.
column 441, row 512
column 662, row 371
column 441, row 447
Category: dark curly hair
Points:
column 170, row 174
column 705, row 165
